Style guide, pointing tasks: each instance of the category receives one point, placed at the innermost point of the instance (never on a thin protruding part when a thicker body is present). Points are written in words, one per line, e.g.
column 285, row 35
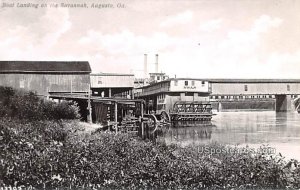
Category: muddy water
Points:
column 279, row 130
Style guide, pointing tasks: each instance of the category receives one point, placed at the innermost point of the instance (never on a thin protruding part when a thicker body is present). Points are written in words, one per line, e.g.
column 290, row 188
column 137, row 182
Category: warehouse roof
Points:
column 45, row 67
column 111, row 74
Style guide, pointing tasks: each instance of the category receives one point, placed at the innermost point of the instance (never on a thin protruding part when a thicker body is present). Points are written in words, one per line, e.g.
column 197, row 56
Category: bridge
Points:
column 282, row 90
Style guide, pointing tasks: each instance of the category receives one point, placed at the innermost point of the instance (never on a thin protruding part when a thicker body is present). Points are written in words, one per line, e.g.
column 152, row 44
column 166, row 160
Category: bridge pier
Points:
column 219, row 106
column 283, row 103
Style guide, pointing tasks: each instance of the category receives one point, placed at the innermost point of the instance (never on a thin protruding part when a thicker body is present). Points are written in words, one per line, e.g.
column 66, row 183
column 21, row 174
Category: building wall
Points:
column 112, row 81
column 189, row 86
column 156, row 88
column 42, row 83
column 170, row 101
column 254, row 88
column 176, row 85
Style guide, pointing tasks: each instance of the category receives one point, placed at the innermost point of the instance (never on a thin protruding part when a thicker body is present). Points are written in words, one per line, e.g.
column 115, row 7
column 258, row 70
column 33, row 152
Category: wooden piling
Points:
column 116, row 116
column 90, row 109
column 142, row 116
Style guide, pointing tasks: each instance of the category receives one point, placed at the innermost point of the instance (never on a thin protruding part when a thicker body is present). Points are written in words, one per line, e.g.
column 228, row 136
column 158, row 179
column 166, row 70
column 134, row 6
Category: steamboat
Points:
column 176, row 99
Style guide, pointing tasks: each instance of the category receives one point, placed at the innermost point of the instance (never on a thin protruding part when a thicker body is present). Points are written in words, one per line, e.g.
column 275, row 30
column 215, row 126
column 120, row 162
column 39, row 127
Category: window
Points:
column 203, row 82
column 193, row 83
column 99, row 80
column 186, row 83
column 176, row 82
column 288, row 87
column 246, row 87
column 158, row 77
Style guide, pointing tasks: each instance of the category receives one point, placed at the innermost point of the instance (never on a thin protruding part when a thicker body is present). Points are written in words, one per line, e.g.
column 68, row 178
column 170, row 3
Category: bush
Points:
column 47, row 154
column 27, row 106
column 28, row 151
column 63, row 110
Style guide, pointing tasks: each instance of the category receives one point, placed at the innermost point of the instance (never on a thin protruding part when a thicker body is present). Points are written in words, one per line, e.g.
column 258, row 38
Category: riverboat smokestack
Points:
column 156, row 63
column 145, row 66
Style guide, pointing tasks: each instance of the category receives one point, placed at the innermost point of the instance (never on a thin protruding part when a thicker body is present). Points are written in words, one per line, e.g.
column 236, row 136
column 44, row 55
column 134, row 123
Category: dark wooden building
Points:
column 44, row 77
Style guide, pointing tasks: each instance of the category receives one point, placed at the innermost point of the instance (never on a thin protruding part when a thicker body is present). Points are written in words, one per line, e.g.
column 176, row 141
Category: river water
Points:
column 254, row 128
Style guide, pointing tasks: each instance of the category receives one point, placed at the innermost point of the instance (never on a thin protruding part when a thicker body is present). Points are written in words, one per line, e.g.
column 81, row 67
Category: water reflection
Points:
column 201, row 131
column 280, row 130
column 281, row 119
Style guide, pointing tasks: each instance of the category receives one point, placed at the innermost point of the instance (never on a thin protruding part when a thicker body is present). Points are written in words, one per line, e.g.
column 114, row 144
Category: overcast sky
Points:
column 202, row 39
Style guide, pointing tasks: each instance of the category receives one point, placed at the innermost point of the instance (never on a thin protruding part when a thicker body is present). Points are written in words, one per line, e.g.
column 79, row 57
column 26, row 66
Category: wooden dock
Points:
column 102, row 110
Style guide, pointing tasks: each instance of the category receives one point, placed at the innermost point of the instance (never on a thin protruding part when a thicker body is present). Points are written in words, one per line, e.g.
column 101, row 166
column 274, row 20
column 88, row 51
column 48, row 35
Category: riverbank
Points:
column 65, row 154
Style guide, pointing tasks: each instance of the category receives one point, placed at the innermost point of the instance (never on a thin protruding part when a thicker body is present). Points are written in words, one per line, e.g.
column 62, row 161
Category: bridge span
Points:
column 160, row 95
column 282, row 90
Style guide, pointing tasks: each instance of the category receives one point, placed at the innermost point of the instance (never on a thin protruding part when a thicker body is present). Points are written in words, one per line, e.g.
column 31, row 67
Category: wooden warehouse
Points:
column 112, row 85
column 44, row 77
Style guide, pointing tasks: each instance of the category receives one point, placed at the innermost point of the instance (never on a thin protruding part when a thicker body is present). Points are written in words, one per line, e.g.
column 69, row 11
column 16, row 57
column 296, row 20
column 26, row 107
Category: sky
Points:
column 194, row 38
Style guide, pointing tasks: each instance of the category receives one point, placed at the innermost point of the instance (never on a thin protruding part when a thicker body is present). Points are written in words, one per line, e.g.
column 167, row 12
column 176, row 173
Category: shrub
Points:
column 63, row 110
column 27, row 106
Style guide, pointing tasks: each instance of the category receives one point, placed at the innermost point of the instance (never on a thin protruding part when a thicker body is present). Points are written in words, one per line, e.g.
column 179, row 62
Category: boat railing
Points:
column 192, row 107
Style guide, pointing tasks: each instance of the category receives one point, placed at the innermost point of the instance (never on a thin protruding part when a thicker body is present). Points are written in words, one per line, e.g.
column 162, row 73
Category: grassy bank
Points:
column 51, row 154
